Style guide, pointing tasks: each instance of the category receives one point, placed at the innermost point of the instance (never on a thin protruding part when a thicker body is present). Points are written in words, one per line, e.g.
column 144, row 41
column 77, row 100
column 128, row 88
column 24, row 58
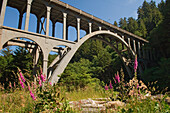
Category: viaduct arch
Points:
column 57, row 11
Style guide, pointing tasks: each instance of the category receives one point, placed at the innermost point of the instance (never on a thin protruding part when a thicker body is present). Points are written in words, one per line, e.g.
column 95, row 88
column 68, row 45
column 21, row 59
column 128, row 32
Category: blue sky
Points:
column 109, row 10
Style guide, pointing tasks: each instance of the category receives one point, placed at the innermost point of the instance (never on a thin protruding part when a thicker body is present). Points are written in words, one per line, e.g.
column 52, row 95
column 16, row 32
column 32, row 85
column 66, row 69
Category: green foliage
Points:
column 115, row 23
column 146, row 106
column 10, row 61
column 150, row 14
column 49, row 99
column 78, row 75
column 159, row 73
column 123, row 23
column 132, row 25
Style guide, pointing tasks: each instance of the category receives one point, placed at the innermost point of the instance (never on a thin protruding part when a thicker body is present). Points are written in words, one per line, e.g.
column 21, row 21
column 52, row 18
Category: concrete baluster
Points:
column 90, row 27
column 3, row 9
column 64, row 25
column 139, row 52
column 78, row 29
column 134, row 46
column 48, row 20
column 28, row 14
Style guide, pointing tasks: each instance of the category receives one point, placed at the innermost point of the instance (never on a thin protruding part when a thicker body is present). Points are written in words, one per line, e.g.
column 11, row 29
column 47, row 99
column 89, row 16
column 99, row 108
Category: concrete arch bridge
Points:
column 50, row 12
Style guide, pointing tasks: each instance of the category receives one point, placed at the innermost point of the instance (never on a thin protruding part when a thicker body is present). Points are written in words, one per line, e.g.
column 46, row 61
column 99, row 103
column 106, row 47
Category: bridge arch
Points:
column 66, row 59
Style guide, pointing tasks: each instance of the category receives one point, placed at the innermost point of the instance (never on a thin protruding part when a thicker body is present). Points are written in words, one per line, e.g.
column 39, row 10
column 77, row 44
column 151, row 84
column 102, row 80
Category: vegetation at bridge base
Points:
column 9, row 63
column 153, row 24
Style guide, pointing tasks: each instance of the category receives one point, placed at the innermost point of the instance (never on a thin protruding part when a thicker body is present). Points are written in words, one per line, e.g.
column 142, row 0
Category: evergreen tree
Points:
column 132, row 25
column 115, row 23
column 141, row 29
column 150, row 15
column 123, row 23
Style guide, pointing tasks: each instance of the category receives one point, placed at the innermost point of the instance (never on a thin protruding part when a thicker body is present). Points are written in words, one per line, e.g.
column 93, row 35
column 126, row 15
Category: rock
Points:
column 101, row 99
column 158, row 97
column 167, row 100
column 100, row 102
column 114, row 104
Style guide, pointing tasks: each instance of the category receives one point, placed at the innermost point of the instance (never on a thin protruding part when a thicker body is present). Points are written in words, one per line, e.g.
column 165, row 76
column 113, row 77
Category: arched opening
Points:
column 59, row 30
column 93, row 35
column 50, row 28
column 82, row 33
column 42, row 26
column 72, row 36
column 22, row 53
column 11, row 12
column 54, row 58
column 32, row 26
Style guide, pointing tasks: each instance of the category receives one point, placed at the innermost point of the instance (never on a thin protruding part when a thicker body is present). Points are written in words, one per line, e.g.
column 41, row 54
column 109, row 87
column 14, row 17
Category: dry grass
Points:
column 16, row 102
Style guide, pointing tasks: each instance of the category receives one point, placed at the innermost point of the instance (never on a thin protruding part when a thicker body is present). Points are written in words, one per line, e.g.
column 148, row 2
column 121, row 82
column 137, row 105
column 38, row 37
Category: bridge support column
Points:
column 35, row 59
column 129, row 42
column 53, row 31
column 45, row 63
column 122, row 43
column 3, row 9
column 28, row 14
column 134, row 46
column 100, row 28
column 20, row 20
column 38, row 24
column 143, row 51
column 78, row 29
column 139, row 52
column 90, row 28
column 64, row 25
column 48, row 20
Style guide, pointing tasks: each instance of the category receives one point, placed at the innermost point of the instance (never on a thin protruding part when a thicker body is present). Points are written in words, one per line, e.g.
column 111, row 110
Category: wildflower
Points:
column 135, row 64
column 10, row 85
column 32, row 95
column 106, row 87
column 42, row 77
column 20, row 73
column 22, row 84
column 117, row 77
column 39, row 81
column 50, row 83
column 110, row 85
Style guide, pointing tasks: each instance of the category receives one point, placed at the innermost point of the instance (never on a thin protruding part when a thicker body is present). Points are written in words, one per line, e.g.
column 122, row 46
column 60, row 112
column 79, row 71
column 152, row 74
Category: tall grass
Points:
column 85, row 93
column 18, row 101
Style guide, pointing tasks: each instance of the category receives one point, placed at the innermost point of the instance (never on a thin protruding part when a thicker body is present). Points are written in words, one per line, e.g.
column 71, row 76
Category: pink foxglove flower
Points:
column 20, row 73
column 106, row 87
column 10, row 85
column 135, row 64
column 110, row 85
column 32, row 95
column 22, row 84
column 117, row 77
column 39, row 81
column 137, row 86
